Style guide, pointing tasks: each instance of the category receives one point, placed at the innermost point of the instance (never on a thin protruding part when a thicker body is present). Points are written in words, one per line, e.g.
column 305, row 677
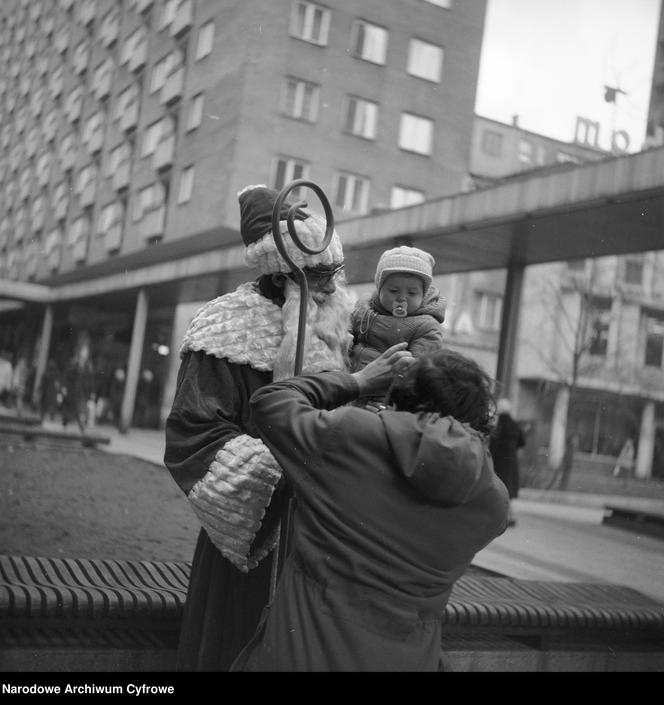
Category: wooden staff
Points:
column 283, row 542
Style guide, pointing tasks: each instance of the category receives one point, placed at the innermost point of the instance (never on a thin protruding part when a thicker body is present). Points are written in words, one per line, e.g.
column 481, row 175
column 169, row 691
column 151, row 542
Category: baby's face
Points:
column 402, row 294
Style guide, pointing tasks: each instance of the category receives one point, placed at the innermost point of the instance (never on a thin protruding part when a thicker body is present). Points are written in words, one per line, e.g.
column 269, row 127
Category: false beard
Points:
column 327, row 340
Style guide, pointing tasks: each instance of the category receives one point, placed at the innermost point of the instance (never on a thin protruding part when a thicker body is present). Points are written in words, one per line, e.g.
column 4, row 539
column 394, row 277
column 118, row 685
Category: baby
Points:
column 405, row 307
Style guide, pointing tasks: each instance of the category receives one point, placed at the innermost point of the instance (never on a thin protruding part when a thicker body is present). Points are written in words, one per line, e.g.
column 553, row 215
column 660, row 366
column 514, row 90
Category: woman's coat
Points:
column 391, row 508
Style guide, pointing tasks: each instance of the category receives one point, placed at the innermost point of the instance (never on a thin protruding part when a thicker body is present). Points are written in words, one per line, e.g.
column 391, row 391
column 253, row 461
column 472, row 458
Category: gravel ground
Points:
column 73, row 502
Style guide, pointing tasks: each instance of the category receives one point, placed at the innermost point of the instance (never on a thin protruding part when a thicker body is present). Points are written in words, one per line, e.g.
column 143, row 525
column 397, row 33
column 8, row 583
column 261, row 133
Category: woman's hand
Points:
column 377, row 376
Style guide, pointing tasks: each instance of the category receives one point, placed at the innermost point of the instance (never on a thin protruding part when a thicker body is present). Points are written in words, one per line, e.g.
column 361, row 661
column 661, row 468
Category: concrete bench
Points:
column 34, row 433
column 642, row 520
column 62, row 614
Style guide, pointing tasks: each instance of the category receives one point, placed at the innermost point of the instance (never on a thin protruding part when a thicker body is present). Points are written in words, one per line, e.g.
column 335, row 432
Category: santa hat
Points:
column 405, row 260
column 256, row 205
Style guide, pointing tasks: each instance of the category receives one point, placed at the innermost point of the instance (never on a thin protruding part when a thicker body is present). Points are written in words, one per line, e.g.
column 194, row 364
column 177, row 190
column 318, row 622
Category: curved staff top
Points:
column 301, row 278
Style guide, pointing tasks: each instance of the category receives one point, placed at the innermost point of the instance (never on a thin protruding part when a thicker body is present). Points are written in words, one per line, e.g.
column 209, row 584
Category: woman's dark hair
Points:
column 450, row 384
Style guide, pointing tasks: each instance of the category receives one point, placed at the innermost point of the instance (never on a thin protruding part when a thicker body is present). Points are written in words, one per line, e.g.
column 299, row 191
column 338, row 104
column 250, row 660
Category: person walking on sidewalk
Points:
column 506, row 440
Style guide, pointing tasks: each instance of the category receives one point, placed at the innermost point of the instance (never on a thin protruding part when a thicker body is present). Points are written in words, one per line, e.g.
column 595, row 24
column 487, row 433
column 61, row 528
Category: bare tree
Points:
column 578, row 307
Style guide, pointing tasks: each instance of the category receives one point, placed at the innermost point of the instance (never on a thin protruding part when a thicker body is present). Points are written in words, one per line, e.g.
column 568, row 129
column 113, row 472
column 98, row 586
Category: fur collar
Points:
column 242, row 326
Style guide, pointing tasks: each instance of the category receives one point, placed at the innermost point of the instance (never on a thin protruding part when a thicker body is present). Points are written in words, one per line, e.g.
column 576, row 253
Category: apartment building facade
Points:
column 129, row 126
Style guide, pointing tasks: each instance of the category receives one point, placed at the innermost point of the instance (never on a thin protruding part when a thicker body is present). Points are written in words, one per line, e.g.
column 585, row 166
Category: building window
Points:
column 126, row 99
column 168, row 12
column 195, row 115
column 151, row 138
column 415, row 133
column 148, row 199
column 425, row 60
column 351, row 192
column 489, row 311
column 288, row 169
column 108, row 217
column 600, row 322
column 654, row 348
column 133, row 44
column 361, row 117
column 164, row 68
column 369, row 42
column 159, row 71
column 116, row 157
column 401, row 196
column 299, row 99
column 525, row 152
column 186, row 184
column 492, row 143
column 205, row 40
column 310, row 22
column 633, row 271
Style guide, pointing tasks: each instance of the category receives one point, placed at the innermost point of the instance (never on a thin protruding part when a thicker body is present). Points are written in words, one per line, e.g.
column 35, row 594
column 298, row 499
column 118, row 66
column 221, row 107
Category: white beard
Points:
column 328, row 337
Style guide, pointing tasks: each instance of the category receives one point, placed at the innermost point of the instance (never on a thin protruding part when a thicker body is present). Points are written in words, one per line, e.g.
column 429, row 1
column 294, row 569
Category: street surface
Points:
column 569, row 543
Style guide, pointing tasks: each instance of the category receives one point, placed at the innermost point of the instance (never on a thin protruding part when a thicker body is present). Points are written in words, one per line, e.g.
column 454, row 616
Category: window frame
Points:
column 409, row 140
column 361, row 117
column 364, row 35
column 417, row 60
column 304, row 27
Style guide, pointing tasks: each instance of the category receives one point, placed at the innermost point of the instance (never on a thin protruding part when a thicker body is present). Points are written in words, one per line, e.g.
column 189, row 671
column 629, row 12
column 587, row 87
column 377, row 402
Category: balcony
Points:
column 153, row 223
column 173, row 87
column 87, row 12
column 44, row 173
column 139, row 57
column 122, row 176
column 113, row 237
column 38, row 219
column 143, row 6
column 68, row 159
column 129, row 118
column 31, row 264
column 80, row 60
column 96, row 142
column 60, row 209
column 56, row 83
column 164, row 154
column 88, row 194
column 81, row 249
column 183, row 20
column 110, row 30
column 102, row 88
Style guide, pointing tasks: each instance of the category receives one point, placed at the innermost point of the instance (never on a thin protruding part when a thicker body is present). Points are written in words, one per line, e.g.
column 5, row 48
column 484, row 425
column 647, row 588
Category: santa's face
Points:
column 328, row 320
column 322, row 281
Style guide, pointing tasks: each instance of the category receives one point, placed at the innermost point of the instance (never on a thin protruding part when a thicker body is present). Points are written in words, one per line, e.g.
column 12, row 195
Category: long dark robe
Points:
column 223, row 604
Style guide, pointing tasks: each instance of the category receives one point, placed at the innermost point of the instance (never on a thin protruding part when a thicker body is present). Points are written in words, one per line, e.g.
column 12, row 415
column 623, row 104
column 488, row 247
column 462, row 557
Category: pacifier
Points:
column 399, row 311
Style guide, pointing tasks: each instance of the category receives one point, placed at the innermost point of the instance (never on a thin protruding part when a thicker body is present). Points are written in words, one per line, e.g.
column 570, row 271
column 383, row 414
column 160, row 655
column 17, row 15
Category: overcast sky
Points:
column 548, row 61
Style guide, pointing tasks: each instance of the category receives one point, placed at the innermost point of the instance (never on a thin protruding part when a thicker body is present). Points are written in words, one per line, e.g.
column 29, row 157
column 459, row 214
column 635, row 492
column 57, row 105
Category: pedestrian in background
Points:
column 51, row 393
column 78, row 389
column 625, row 460
column 506, row 439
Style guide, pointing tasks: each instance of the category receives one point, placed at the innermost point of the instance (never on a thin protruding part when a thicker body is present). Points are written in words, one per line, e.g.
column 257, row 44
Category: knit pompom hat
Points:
column 256, row 204
column 405, row 260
